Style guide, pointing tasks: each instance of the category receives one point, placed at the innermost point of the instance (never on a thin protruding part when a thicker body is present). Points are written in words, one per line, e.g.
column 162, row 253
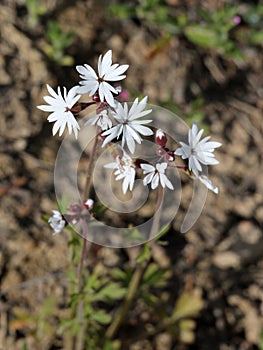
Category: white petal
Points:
column 113, row 132
column 194, row 165
column 51, row 91
column 148, row 178
column 210, row 145
column 56, row 127
column 46, row 108
column 155, row 181
column 129, row 140
column 161, row 167
column 148, row 168
column 116, row 74
column 104, row 63
column 131, row 133
column 167, row 182
column 208, row 183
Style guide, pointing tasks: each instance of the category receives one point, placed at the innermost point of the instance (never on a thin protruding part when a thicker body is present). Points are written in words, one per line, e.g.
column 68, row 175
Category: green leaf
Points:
column 119, row 274
column 155, row 276
column 144, row 255
column 65, row 325
column 162, row 232
column 112, row 345
column 101, row 317
column 122, row 11
column 202, row 36
column 112, row 291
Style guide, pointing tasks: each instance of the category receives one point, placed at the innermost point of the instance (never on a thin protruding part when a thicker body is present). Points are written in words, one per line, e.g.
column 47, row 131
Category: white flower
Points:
column 56, row 222
column 102, row 120
column 197, row 151
column 156, row 174
column 60, row 107
column 125, row 171
column 208, row 183
column 107, row 72
column 128, row 124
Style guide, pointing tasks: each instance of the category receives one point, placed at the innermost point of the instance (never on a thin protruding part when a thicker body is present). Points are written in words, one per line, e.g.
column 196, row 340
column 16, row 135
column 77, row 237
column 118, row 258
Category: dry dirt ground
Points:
column 221, row 256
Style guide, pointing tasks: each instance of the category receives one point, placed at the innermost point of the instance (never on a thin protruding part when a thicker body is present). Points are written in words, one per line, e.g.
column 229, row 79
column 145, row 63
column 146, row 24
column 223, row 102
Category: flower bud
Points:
column 88, row 204
column 96, row 97
column 160, row 138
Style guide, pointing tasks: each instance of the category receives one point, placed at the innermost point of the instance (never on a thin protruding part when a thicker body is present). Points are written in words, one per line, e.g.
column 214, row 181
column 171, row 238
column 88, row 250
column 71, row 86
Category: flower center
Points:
column 193, row 152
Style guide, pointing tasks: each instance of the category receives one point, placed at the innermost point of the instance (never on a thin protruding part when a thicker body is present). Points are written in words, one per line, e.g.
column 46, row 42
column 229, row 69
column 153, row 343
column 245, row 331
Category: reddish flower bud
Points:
column 96, row 97
column 160, row 138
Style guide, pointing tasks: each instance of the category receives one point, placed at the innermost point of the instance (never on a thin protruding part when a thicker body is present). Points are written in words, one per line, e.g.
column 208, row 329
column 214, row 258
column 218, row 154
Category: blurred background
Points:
column 199, row 59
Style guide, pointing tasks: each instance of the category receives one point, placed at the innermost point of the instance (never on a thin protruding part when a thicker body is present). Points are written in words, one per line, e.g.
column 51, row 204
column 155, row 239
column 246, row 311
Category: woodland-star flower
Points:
column 125, row 170
column 56, row 222
column 197, row 152
column 107, row 72
column 60, row 107
column 128, row 124
column 102, row 120
column 155, row 175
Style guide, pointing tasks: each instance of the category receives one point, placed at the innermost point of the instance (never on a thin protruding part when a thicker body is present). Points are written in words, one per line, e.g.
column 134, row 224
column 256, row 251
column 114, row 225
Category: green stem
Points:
column 131, row 292
column 136, row 277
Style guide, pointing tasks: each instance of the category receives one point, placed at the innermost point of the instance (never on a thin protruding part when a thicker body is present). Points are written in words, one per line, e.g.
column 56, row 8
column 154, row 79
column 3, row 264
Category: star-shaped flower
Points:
column 60, row 107
column 107, row 72
column 155, row 175
column 102, row 120
column 125, row 170
column 128, row 124
column 57, row 222
column 197, row 152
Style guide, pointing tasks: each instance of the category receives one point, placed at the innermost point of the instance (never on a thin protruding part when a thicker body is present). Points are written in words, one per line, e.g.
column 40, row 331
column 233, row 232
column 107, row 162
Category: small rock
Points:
column 226, row 260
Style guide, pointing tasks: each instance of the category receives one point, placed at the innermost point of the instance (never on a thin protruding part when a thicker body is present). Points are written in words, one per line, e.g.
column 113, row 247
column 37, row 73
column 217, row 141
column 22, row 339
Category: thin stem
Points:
column 157, row 215
column 136, row 277
column 122, row 312
column 81, row 263
column 78, row 340
column 184, row 167
column 91, row 166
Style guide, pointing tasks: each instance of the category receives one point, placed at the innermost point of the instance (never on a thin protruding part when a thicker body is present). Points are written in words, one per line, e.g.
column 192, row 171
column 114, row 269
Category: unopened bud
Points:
column 96, row 97
column 160, row 138
column 88, row 204
column 118, row 89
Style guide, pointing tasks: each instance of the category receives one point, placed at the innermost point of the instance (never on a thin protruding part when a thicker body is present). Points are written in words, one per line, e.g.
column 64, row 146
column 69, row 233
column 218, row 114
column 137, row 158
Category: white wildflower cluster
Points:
column 126, row 124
